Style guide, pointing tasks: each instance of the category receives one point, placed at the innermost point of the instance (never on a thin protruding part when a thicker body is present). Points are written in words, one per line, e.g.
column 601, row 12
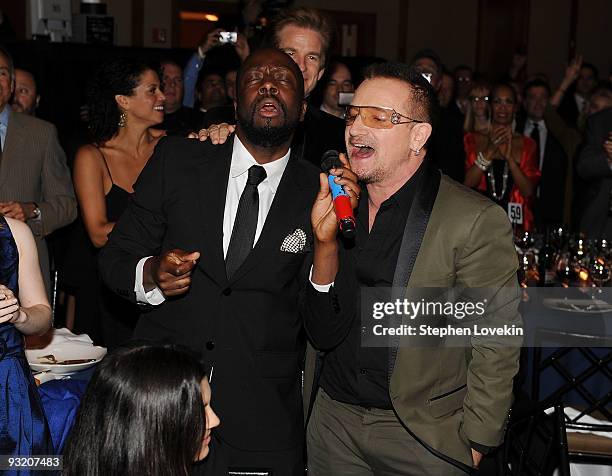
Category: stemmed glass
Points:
column 565, row 267
column 524, row 241
column 599, row 271
column 528, row 269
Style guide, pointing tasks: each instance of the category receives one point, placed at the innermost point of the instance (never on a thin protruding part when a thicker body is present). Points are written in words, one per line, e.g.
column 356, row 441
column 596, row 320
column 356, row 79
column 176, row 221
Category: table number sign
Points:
column 515, row 213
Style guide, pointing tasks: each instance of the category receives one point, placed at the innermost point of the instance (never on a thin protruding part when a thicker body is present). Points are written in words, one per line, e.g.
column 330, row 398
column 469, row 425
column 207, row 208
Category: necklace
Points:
column 491, row 177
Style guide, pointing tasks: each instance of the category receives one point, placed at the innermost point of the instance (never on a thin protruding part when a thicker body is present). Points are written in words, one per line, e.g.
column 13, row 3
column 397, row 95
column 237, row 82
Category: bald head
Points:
column 25, row 96
column 271, row 57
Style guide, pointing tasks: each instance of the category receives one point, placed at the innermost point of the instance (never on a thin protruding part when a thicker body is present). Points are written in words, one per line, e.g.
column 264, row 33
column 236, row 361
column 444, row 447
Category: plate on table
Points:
column 65, row 351
column 586, row 306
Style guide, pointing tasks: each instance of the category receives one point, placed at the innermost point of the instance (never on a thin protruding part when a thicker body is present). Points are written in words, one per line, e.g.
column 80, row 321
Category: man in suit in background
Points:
column 179, row 120
column 552, row 160
column 215, row 241
column 595, row 166
column 26, row 97
column 35, row 184
column 305, row 34
column 446, row 143
column 417, row 406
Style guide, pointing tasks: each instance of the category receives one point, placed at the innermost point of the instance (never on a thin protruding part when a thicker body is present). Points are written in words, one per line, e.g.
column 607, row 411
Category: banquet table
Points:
column 61, row 387
column 61, row 399
column 537, row 314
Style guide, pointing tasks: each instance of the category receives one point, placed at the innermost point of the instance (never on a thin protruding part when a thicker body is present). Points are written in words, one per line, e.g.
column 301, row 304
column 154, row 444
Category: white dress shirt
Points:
column 4, row 120
column 242, row 160
column 580, row 103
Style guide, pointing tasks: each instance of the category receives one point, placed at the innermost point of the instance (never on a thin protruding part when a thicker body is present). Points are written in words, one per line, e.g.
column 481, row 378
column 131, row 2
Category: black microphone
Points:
column 341, row 199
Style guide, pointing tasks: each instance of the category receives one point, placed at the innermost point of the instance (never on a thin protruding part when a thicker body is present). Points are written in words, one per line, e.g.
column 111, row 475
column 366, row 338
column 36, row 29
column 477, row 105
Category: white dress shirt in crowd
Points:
column 242, row 160
column 580, row 103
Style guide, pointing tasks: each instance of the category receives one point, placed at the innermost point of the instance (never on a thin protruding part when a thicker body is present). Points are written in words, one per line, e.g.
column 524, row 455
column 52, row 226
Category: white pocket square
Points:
column 294, row 242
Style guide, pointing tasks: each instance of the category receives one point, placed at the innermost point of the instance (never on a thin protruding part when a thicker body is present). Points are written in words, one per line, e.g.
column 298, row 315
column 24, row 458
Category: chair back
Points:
column 535, row 444
column 579, row 376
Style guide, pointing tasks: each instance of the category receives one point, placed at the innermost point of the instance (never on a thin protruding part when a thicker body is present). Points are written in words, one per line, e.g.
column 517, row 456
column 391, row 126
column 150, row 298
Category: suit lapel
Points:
column 284, row 205
column 416, row 224
column 212, row 190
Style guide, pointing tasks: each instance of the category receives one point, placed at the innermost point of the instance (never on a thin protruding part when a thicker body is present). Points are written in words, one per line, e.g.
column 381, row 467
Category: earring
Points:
column 417, row 150
column 122, row 119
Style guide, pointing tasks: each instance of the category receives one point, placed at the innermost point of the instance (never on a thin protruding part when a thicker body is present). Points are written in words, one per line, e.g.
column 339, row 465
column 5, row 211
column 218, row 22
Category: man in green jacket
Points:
column 417, row 406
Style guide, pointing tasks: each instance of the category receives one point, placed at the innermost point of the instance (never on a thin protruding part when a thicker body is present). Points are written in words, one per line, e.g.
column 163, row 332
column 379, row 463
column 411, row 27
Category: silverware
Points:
column 34, row 374
column 53, row 361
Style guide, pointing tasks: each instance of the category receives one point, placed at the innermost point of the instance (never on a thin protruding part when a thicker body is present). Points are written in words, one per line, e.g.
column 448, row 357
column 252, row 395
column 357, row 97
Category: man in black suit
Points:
column 552, row 159
column 179, row 120
column 185, row 241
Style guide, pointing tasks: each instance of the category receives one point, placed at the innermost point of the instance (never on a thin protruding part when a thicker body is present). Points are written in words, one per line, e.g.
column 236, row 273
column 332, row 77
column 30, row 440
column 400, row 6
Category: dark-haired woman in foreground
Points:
column 146, row 411
column 125, row 102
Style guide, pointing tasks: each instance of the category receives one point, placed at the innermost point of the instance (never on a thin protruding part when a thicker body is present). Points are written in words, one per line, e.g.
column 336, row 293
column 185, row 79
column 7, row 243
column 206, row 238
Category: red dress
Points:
column 528, row 165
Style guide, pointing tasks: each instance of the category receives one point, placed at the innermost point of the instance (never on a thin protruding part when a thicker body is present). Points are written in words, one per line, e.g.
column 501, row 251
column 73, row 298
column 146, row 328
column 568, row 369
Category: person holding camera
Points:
column 215, row 38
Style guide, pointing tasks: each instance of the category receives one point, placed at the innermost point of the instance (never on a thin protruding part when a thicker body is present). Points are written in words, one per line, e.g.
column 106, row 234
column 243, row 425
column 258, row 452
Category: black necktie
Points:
column 535, row 135
column 245, row 224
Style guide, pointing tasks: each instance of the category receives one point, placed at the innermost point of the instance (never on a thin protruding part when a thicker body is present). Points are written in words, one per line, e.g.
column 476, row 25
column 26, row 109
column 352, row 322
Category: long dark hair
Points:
column 142, row 414
column 117, row 76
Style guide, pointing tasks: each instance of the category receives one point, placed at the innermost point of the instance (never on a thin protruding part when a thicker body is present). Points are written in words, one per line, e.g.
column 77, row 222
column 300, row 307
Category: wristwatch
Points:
column 36, row 211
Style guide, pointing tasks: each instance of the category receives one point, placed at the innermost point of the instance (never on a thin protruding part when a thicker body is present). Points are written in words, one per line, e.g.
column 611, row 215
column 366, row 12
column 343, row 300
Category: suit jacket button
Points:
column 227, row 291
column 210, row 345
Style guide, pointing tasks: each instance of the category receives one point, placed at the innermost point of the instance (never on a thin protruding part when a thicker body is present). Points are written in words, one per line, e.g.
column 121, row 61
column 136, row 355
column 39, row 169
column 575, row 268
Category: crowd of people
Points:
column 204, row 222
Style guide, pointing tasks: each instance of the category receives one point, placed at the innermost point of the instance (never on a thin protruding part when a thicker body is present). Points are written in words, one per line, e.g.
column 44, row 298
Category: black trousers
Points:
column 224, row 460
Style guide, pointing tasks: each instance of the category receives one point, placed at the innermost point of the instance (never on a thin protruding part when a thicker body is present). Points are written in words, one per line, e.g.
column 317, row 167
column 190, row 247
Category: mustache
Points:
column 257, row 104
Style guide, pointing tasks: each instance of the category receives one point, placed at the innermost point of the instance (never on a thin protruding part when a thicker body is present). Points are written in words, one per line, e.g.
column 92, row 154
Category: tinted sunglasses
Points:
column 376, row 117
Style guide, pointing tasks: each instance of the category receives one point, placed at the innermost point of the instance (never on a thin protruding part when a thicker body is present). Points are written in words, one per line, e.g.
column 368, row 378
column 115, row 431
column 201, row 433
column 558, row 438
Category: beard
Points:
column 267, row 135
column 375, row 175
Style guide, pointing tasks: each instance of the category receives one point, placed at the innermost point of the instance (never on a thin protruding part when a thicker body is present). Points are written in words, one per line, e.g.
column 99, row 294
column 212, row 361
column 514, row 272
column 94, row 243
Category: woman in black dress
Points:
column 125, row 102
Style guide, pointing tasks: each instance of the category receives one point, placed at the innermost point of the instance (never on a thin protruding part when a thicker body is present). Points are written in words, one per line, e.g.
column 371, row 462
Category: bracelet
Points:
column 482, row 163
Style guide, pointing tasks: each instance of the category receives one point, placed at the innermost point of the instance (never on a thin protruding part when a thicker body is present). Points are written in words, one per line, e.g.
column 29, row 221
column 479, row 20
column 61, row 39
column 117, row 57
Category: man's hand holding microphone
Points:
column 329, row 215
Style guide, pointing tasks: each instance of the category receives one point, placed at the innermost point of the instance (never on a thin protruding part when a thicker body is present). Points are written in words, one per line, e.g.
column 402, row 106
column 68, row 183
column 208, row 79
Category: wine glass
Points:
column 528, row 270
column 559, row 237
column 599, row 272
column 525, row 241
column 602, row 248
column 565, row 268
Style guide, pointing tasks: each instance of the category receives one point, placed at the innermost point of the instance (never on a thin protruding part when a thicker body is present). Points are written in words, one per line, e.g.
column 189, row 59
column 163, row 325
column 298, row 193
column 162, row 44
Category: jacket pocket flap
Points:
column 447, row 402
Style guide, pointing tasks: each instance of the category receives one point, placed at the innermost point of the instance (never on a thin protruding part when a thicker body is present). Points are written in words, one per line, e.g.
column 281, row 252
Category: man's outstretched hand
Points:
column 170, row 272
